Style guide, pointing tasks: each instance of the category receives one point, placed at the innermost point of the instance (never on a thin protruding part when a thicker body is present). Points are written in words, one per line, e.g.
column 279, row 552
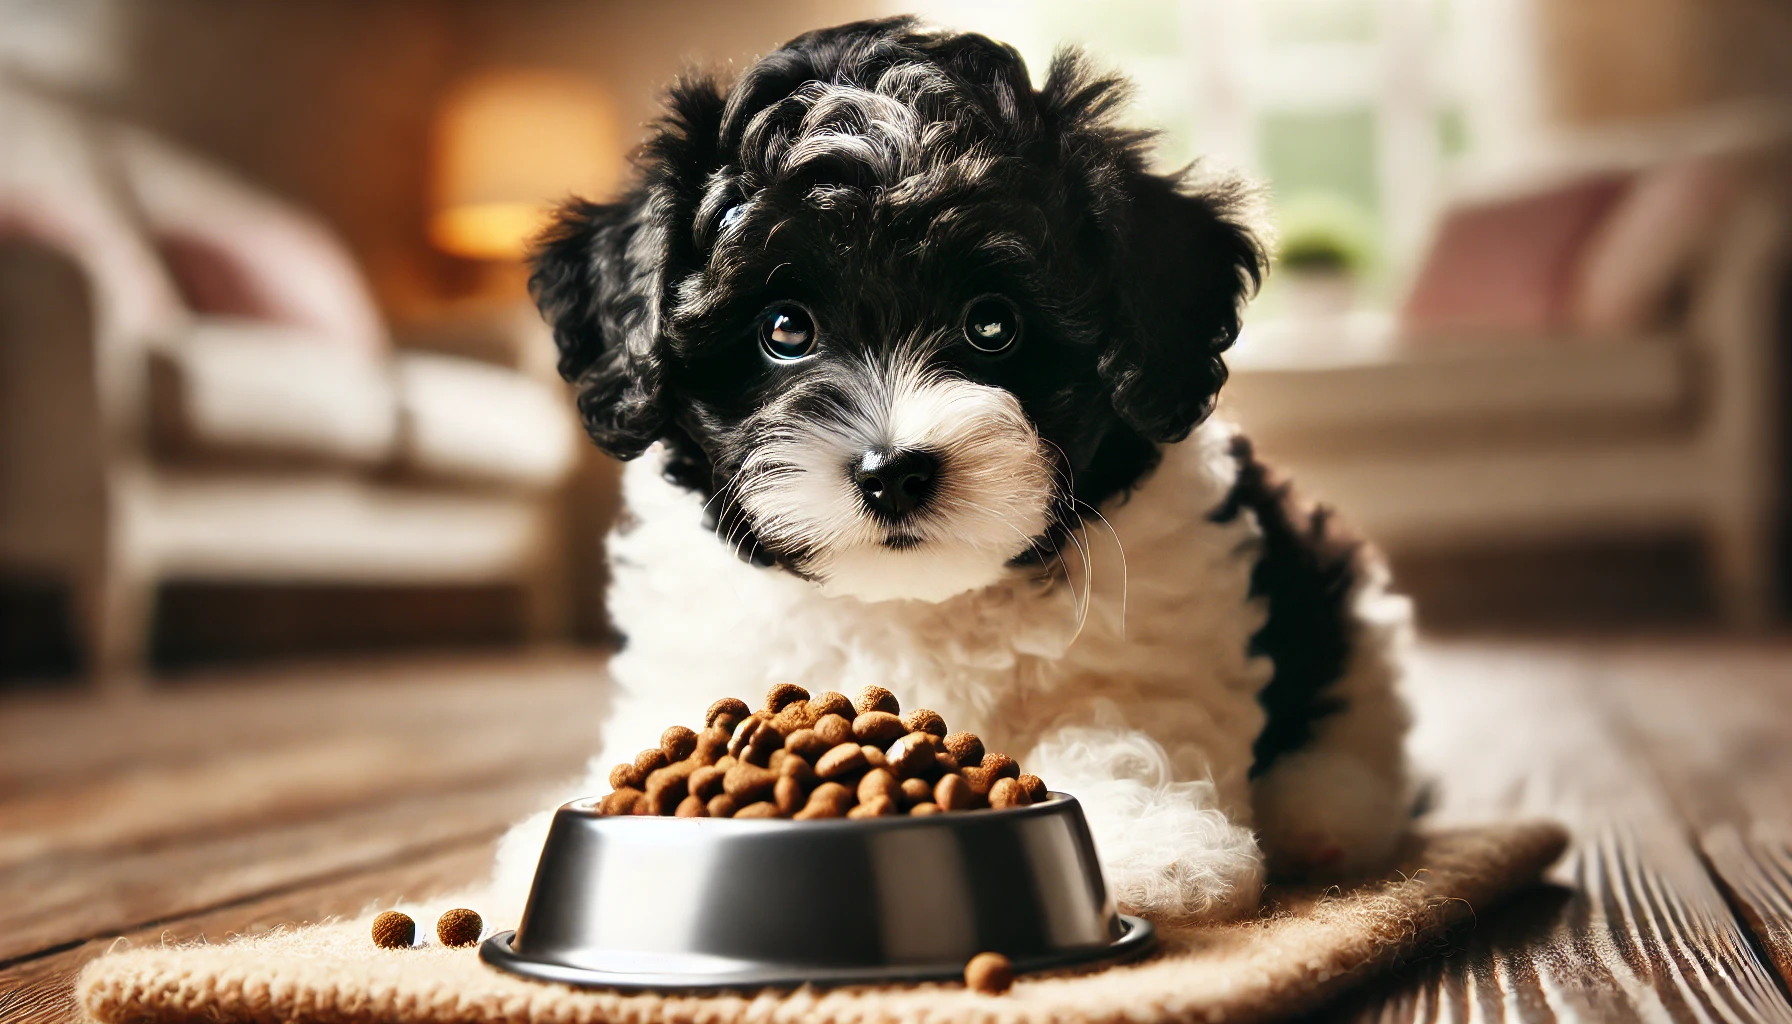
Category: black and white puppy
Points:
column 916, row 363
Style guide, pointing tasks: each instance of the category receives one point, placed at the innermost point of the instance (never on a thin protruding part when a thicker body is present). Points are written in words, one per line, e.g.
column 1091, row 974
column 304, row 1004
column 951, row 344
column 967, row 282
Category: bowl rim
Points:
column 1054, row 802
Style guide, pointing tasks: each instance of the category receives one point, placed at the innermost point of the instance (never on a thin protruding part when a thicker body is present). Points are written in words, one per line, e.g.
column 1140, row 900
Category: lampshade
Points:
column 508, row 145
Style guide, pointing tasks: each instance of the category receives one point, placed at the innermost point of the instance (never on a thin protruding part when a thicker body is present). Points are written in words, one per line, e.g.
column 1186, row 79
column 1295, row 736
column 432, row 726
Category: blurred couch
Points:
column 1591, row 355
column 196, row 384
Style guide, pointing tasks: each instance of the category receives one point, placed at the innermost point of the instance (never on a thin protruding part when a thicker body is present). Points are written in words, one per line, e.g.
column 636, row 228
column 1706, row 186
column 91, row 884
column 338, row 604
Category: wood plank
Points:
column 1715, row 724
column 40, row 991
column 67, row 898
column 1634, row 928
column 159, row 804
column 61, row 740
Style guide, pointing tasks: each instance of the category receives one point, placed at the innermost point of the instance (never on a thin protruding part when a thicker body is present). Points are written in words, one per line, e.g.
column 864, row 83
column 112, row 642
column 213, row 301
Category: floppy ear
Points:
column 598, row 270
column 588, row 291
column 1186, row 262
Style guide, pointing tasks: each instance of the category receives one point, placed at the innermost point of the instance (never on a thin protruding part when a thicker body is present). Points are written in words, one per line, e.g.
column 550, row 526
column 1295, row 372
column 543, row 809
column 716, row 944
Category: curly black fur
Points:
column 1307, row 574
column 882, row 174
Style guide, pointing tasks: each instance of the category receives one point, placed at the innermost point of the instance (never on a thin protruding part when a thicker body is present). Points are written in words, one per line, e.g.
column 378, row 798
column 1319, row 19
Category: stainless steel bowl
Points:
column 719, row 903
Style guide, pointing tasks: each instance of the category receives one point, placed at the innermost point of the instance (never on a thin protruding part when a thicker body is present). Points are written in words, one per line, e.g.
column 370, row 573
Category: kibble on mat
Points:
column 823, row 756
column 459, row 927
column 393, row 930
column 989, row 973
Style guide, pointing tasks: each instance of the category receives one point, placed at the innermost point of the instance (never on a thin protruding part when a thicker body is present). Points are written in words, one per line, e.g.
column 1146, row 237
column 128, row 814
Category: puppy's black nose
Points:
column 893, row 480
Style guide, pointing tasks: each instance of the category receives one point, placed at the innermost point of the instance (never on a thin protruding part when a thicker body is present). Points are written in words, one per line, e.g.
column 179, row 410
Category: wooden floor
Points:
column 242, row 801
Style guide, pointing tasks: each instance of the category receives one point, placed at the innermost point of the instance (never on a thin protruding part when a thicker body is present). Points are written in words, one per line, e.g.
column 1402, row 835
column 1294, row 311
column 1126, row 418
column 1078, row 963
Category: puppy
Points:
column 913, row 365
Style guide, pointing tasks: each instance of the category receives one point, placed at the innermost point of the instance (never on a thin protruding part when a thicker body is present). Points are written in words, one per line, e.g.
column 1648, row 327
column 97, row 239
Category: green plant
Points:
column 1324, row 233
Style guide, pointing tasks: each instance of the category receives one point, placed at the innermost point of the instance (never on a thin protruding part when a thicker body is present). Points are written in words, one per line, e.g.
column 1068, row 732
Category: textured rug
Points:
column 1305, row 948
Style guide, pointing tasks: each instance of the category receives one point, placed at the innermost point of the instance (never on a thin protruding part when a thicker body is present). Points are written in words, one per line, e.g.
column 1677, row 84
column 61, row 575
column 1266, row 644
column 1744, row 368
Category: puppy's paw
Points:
column 1170, row 855
column 1324, row 816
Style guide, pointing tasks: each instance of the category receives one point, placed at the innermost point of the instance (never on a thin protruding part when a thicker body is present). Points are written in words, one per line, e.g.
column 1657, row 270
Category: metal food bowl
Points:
column 722, row 903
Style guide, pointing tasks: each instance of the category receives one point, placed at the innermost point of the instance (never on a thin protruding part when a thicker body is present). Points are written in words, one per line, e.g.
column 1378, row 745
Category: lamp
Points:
column 509, row 144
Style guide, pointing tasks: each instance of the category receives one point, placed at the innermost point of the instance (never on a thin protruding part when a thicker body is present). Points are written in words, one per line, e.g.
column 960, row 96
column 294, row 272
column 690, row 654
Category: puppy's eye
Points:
column 787, row 332
column 991, row 324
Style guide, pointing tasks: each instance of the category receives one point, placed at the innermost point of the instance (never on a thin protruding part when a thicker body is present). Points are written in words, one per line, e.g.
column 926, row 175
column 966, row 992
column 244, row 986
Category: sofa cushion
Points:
column 235, row 250
column 473, row 421
column 243, row 389
column 1507, row 266
column 1434, row 394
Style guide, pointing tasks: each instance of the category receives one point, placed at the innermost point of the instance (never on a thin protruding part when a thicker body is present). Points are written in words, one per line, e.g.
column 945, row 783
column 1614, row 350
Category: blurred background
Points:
column 270, row 387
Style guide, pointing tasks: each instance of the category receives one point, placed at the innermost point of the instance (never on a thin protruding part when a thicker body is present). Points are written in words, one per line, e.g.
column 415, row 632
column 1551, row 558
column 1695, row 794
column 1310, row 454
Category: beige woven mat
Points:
column 1307, row 947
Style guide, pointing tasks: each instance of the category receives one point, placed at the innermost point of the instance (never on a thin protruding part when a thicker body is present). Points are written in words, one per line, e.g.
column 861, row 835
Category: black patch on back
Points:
column 1309, row 565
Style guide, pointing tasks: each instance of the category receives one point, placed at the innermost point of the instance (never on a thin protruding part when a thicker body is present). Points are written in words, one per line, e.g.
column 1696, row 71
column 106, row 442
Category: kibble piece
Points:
column 829, row 800
column 706, row 781
column 966, row 747
column 721, row 806
column 777, row 759
column 762, row 809
column 841, row 760
column 782, row 694
column 879, row 784
column 911, row 755
column 944, row 763
column 833, row 729
column 678, row 742
column 798, row 769
column 979, row 779
column 923, row 720
column 1007, row 793
column 393, row 930
column 878, row 727
column 748, row 782
column 924, row 808
column 458, row 927
column 788, row 795
column 832, row 703
column 1035, row 787
column 1000, row 766
column 650, row 760
column 732, row 708
column 989, row 973
column 754, row 740
column 874, row 756
column 878, row 807
column 916, row 791
column 669, row 785
column 806, row 743
column 952, row 793
column 876, row 698
column 793, row 716
column 620, row 802
column 692, row 806
column 712, row 743
column 726, row 761
column 624, row 776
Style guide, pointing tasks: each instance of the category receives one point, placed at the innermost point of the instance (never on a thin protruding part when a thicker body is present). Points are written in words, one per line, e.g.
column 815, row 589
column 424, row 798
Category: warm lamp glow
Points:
column 509, row 144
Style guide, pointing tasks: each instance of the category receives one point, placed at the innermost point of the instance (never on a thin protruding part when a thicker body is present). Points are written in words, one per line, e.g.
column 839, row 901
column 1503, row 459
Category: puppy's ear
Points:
column 1187, row 260
column 599, row 269
column 587, row 290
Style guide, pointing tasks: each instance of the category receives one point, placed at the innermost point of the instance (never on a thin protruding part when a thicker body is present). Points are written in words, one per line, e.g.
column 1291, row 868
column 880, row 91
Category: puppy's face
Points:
column 898, row 316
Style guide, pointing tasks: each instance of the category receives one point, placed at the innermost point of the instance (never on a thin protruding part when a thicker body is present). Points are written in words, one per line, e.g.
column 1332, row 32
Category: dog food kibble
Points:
column 822, row 756
column 923, row 720
column 965, row 746
column 784, row 693
column 989, row 973
column 459, row 927
column 678, row 743
column 832, row 703
column 876, row 698
column 393, row 930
